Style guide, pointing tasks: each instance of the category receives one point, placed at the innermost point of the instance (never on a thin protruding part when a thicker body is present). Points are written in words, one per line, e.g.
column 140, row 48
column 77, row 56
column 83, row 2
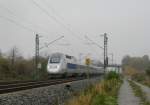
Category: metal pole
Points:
column 112, row 58
column 105, row 52
column 36, row 55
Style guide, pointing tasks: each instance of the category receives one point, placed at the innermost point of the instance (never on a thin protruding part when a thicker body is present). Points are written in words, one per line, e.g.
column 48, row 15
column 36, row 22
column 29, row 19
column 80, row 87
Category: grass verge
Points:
column 139, row 93
column 103, row 93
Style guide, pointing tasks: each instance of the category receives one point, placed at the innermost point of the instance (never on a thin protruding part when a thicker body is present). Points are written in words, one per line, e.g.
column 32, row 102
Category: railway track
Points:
column 7, row 87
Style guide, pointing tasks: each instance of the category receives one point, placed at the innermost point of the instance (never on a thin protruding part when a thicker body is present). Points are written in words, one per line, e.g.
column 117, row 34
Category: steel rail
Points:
column 29, row 85
column 22, row 83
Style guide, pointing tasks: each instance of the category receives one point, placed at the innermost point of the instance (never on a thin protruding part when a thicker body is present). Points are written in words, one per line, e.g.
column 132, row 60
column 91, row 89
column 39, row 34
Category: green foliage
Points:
column 136, row 88
column 138, row 63
column 139, row 93
column 139, row 77
column 15, row 67
column 110, row 89
column 5, row 71
column 101, row 99
column 104, row 93
column 138, row 68
column 42, row 72
column 110, row 100
column 148, row 71
column 112, row 75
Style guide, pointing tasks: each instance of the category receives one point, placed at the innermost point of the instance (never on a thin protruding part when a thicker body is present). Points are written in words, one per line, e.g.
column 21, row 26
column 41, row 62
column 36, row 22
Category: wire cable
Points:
column 93, row 42
column 55, row 19
column 57, row 14
column 15, row 15
column 16, row 23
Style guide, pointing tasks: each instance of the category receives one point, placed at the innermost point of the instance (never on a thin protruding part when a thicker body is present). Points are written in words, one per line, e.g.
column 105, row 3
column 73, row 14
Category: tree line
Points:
column 13, row 66
column 140, row 64
column 137, row 68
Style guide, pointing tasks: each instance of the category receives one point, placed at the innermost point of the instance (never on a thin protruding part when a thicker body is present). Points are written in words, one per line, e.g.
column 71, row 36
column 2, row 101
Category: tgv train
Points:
column 60, row 64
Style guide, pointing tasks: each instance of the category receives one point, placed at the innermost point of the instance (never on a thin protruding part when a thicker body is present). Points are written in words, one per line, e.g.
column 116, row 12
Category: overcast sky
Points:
column 127, row 23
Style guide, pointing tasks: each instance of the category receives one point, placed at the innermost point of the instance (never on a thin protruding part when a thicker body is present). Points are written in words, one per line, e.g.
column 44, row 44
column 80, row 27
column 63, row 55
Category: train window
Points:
column 55, row 60
column 69, row 57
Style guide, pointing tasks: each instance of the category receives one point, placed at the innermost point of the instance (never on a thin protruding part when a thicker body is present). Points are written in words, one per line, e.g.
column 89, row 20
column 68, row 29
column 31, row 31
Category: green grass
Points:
column 103, row 93
column 104, row 100
column 139, row 93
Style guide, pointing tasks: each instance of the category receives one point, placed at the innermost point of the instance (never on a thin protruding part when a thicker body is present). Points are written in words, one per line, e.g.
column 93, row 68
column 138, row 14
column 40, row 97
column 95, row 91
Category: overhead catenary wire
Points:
column 52, row 9
column 93, row 42
column 92, row 48
column 52, row 42
column 62, row 18
column 66, row 26
column 20, row 24
column 21, row 18
column 55, row 19
column 17, row 23
column 57, row 14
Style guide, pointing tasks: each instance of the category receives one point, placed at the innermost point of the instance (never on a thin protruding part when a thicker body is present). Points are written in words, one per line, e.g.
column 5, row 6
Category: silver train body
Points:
column 61, row 64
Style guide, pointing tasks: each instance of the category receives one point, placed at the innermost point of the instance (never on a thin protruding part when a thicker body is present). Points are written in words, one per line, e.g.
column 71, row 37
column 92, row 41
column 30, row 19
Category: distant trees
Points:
column 15, row 67
column 138, row 63
column 138, row 68
column 130, row 71
column 148, row 71
column 126, row 60
column 4, row 68
column 0, row 53
column 97, row 63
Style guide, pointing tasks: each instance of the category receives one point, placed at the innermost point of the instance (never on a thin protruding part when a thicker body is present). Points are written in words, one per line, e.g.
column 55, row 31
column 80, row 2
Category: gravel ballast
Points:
column 50, row 95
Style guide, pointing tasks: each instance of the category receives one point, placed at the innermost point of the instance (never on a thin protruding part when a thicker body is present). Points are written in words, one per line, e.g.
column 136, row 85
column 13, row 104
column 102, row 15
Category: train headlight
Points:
column 53, row 67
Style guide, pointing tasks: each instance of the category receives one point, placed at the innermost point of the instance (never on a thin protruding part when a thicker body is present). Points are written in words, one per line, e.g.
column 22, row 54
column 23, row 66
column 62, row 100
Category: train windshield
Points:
column 55, row 59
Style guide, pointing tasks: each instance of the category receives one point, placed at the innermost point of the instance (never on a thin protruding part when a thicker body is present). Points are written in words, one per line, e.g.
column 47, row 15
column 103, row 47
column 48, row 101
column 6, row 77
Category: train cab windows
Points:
column 69, row 57
column 55, row 59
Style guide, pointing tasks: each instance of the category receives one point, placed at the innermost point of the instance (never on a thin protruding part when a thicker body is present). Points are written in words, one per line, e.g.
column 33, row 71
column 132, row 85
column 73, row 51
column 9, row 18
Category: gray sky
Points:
column 126, row 21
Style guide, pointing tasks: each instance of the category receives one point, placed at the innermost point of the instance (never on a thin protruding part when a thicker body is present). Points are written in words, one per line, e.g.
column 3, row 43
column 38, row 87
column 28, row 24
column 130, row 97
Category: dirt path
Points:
column 146, row 90
column 126, row 95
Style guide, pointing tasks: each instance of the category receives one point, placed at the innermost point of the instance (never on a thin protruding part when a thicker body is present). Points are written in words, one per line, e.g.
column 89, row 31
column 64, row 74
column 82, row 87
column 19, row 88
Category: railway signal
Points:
column 88, row 61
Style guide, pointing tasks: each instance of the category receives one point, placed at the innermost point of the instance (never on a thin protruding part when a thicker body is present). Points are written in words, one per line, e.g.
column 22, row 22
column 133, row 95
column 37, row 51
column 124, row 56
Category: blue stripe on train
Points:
column 71, row 66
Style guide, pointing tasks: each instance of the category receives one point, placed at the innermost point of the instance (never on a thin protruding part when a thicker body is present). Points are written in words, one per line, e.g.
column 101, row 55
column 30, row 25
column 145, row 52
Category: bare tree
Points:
column 0, row 53
column 14, row 58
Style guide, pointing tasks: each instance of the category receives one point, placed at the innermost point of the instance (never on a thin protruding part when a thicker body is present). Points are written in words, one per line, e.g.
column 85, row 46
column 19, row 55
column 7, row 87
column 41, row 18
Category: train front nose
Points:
column 53, row 68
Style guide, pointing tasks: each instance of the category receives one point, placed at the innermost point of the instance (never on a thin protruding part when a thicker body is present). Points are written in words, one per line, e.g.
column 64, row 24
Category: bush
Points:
column 148, row 71
column 5, row 71
column 138, row 77
column 112, row 75
column 103, row 93
column 99, row 100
